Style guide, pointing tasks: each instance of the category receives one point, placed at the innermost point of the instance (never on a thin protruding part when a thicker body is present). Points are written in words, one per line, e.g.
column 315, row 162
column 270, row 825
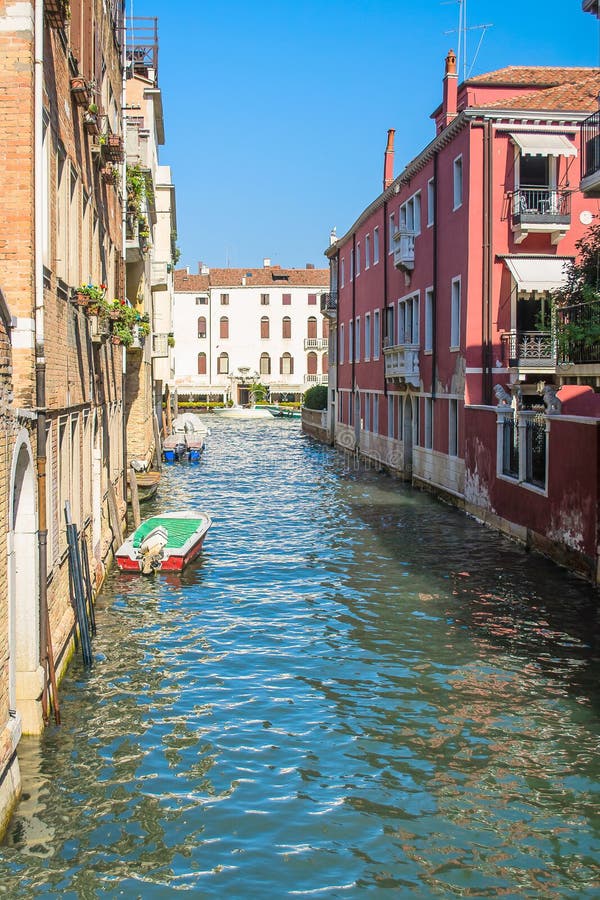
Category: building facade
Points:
column 238, row 327
column 441, row 305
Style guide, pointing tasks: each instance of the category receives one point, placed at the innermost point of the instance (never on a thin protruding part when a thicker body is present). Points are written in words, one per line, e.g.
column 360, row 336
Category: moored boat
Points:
column 166, row 542
column 147, row 484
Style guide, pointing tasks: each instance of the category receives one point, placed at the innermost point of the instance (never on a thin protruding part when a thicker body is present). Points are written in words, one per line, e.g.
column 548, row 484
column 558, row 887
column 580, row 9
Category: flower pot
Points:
column 80, row 90
column 81, row 299
column 90, row 123
column 115, row 340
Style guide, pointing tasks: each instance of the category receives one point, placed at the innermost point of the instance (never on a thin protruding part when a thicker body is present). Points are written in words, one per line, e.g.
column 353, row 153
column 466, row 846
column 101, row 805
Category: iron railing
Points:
column 529, row 348
column 329, row 302
column 578, row 333
column 535, row 456
column 142, row 45
column 590, row 145
column 541, row 203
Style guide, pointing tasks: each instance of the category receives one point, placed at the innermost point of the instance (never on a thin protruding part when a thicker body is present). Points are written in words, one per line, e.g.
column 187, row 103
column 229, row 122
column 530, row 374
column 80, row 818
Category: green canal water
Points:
column 356, row 690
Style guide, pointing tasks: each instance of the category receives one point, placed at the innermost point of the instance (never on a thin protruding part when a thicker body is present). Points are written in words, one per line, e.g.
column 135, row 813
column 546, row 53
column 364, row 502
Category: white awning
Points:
column 543, row 144
column 537, row 273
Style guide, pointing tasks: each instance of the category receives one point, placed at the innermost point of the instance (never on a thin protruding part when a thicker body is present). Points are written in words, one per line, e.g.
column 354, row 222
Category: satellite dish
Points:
column 585, row 217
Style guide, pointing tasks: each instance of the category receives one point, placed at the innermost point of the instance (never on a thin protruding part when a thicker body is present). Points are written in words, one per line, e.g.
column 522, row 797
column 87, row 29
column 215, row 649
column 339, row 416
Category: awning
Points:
column 543, row 144
column 535, row 273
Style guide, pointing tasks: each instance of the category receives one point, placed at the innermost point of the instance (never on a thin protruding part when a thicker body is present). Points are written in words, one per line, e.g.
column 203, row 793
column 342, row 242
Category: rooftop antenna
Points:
column 463, row 28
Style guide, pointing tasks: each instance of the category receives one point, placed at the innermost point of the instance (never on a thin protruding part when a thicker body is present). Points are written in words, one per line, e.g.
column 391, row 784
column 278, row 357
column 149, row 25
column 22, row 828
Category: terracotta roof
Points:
column 576, row 94
column 534, row 76
column 272, row 276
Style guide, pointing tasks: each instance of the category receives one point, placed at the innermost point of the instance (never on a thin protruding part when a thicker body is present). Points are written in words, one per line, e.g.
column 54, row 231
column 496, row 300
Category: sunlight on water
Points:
column 355, row 689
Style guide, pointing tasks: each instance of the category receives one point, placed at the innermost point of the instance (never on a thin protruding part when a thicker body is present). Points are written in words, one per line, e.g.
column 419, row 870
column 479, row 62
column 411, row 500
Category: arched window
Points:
column 202, row 364
column 202, row 327
column 286, row 327
column 264, row 327
column 223, row 364
column 265, row 364
column 286, row 364
column 311, row 328
column 325, row 364
column 224, row 327
column 311, row 363
column 325, row 327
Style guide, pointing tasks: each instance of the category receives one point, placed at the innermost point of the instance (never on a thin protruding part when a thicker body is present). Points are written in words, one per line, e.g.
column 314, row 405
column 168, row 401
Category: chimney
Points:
column 266, row 262
column 450, row 90
column 310, row 265
column 388, row 159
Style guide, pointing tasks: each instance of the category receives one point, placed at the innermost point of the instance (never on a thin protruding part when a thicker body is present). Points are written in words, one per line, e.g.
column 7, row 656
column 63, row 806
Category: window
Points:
column 376, row 335
column 224, row 327
column 224, row 299
column 458, row 182
column 265, row 364
column 325, row 364
column 524, row 446
column 358, row 259
column 264, row 327
column 286, row 364
column 286, row 299
column 343, row 273
column 202, row 364
column 429, row 319
column 367, row 337
column 357, row 340
column 375, row 246
column 202, row 327
column 201, row 301
column 311, row 363
column 408, row 321
column 325, row 328
column 430, row 201
column 367, row 416
column 392, row 232
column 535, row 449
column 311, row 328
column 510, row 446
column 341, row 344
column 428, row 423
column 312, row 299
column 286, row 327
column 376, row 413
column 350, row 341
column 410, row 215
column 455, row 314
column 264, row 299
column 223, row 364
column 453, row 428
column 351, row 265
column 367, row 251
column 390, row 415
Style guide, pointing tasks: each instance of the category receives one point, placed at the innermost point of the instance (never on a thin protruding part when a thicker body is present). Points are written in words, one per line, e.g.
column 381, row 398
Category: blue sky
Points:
column 276, row 114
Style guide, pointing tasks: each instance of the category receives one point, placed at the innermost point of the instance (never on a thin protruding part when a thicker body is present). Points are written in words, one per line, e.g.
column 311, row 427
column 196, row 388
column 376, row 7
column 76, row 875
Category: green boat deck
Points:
column 178, row 530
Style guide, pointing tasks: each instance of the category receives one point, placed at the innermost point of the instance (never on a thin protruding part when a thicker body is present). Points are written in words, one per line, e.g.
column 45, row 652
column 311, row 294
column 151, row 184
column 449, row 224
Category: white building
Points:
column 234, row 327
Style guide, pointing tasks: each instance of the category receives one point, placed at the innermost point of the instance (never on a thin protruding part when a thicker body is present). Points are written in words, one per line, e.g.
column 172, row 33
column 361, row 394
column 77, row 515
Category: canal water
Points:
column 357, row 690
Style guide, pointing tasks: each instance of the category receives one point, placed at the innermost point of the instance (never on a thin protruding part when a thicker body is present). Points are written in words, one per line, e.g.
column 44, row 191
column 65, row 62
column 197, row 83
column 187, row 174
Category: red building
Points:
column 445, row 358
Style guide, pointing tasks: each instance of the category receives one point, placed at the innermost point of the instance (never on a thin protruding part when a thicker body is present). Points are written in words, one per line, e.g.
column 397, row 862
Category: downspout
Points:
column 486, row 384
column 435, row 278
column 383, row 324
column 124, row 256
column 40, row 361
column 353, row 273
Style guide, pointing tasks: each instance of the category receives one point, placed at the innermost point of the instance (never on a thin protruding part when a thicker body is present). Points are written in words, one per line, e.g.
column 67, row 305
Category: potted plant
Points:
column 90, row 119
column 110, row 174
column 171, row 339
column 81, row 90
column 121, row 333
column 88, row 293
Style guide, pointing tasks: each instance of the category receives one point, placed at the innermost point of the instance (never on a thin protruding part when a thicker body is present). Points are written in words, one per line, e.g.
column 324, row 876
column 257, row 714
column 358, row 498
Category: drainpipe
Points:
column 383, row 324
column 40, row 361
column 435, row 278
column 124, row 258
column 486, row 380
column 353, row 272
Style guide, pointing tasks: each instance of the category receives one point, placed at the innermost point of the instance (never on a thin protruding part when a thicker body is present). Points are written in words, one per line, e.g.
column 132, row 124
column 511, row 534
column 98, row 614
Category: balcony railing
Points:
column 315, row 379
column 541, row 205
column 590, row 154
column 402, row 363
column 316, row 343
column 329, row 303
column 578, row 333
column 529, row 349
column 404, row 249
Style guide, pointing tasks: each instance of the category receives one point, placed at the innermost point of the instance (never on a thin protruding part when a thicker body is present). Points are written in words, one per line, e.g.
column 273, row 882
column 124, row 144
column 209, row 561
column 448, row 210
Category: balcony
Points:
column 530, row 350
column 541, row 210
column 404, row 249
column 316, row 343
column 159, row 276
column 315, row 379
column 402, row 364
column 590, row 156
column 329, row 304
column 160, row 345
column 578, row 336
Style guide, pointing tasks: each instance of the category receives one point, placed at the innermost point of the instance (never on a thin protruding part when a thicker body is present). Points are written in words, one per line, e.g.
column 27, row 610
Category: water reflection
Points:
column 356, row 688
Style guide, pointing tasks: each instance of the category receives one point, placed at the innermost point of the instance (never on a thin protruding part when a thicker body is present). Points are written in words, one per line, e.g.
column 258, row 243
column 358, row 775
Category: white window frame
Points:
column 455, row 313
column 352, row 265
column 357, row 260
column 392, row 232
column 428, row 336
column 410, row 214
column 342, row 272
column 390, row 415
column 375, row 245
column 367, row 412
column 430, row 202
column 376, row 334
column 350, row 341
column 367, row 337
column 342, row 338
column 357, row 340
column 457, row 182
column 375, row 413
column 367, row 251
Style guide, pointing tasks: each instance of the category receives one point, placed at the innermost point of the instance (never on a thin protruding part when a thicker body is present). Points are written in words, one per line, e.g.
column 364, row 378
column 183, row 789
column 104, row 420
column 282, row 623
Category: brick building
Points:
column 444, row 336
column 61, row 403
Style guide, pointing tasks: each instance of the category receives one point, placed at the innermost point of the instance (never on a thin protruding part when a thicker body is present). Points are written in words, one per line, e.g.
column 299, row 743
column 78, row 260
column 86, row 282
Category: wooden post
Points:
column 168, row 409
column 157, row 445
column 113, row 510
column 135, row 500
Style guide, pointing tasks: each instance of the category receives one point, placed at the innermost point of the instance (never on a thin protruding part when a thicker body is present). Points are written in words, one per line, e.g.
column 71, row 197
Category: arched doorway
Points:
column 25, row 672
